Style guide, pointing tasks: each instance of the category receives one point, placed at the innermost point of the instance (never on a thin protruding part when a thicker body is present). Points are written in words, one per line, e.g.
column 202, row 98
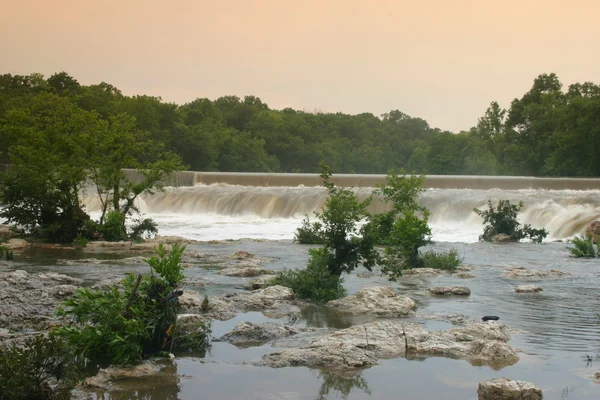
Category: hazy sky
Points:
column 442, row 60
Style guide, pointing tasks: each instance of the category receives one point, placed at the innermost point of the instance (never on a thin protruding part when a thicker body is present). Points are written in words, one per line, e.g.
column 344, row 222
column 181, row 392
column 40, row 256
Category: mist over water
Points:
column 225, row 211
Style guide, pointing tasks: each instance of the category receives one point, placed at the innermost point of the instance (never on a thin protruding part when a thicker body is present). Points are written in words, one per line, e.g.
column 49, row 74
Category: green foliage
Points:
column 503, row 219
column 113, row 229
column 309, row 232
column 123, row 324
column 315, row 282
column 408, row 234
column 44, row 368
column 205, row 305
column 80, row 242
column 144, row 228
column 6, row 253
column 447, row 260
column 584, row 248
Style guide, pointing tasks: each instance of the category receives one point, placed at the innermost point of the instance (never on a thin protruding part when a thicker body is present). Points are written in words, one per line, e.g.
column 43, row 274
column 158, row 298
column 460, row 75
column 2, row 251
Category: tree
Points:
column 48, row 167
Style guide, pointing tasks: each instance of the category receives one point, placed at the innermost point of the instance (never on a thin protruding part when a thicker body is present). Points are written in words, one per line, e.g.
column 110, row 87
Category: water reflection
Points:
column 341, row 385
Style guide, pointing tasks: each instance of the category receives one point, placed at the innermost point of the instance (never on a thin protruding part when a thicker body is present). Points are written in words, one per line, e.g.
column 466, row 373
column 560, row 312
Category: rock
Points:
column 382, row 301
column 16, row 244
column 247, row 334
column 5, row 232
column 274, row 301
column 421, row 272
column 502, row 238
column 450, row 290
column 524, row 273
column 597, row 376
column 507, row 389
column 593, row 231
column 465, row 268
column 528, row 289
column 362, row 345
column 245, row 271
column 241, row 255
column 190, row 322
column 190, row 299
column 464, row 275
column 258, row 283
column 106, row 378
column 369, row 275
column 26, row 300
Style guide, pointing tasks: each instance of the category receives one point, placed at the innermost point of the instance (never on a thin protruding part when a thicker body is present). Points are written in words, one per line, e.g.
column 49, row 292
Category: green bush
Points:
column 143, row 228
column 584, row 248
column 44, row 368
column 315, row 282
column 447, row 260
column 503, row 219
column 309, row 232
column 123, row 325
column 113, row 229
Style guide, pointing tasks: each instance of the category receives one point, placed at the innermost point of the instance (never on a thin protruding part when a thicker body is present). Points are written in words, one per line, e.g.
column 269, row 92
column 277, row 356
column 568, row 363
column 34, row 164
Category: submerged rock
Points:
column 362, row 345
column 382, row 301
column 247, row 333
column 507, row 389
column 524, row 273
column 450, row 290
column 528, row 289
column 464, row 275
column 27, row 299
column 116, row 378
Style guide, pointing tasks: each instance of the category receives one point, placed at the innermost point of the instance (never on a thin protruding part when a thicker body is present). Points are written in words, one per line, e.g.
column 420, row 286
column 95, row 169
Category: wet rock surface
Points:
column 28, row 299
column 16, row 244
column 245, row 264
column 524, row 273
column 260, row 282
column 450, row 290
column 507, row 389
column 382, row 301
column 247, row 334
column 421, row 272
column 528, row 289
column 362, row 345
column 593, row 231
column 273, row 301
column 464, row 275
column 502, row 238
column 110, row 378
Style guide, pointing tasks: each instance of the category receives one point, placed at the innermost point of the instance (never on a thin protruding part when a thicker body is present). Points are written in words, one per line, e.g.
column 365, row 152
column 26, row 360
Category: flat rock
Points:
column 109, row 378
column 245, row 264
column 507, row 389
column 422, row 272
column 260, row 282
column 524, row 273
column 16, row 244
column 362, row 345
column 247, row 334
column 273, row 301
column 382, row 301
column 464, row 275
column 502, row 238
column 450, row 290
column 29, row 299
column 528, row 289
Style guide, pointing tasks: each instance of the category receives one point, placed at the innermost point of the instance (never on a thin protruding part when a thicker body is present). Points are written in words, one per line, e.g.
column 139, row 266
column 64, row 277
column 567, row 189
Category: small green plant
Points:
column 503, row 219
column 447, row 260
column 205, row 305
column 80, row 242
column 584, row 248
column 124, row 324
column 6, row 253
column 313, row 283
column 44, row 368
column 144, row 228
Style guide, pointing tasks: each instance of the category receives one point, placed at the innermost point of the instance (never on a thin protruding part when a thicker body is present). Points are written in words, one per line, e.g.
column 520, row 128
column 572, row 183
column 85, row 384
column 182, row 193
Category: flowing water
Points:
column 558, row 327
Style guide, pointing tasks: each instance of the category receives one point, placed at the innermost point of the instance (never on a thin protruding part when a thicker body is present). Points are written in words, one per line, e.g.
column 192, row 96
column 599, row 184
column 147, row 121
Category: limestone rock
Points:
column 247, row 334
column 381, row 301
column 528, row 289
column 245, row 270
column 464, row 275
column 190, row 299
column 524, row 273
column 362, row 345
column 421, row 272
column 507, row 389
column 502, row 238
column 450, row 290
column 17, row 244
column 260, row 282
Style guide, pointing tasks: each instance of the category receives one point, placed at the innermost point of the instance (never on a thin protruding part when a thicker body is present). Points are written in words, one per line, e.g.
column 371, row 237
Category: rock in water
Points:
column 528, row 289
column 593, row 231
column 449, row 290
column 502, row 238
column 490, row 318
column 507, row 389
column 379, row 300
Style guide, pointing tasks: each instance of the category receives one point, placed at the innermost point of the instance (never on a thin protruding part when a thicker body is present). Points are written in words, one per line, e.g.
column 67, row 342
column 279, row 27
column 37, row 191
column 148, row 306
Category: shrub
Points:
column 113, row 228
column 144, row 228
column 309, row 233
column 584, row 248
column 44, row 368
column 503, row 219
column 123, row 325
column 6, row 253
column 315, row 282
column 447, row 260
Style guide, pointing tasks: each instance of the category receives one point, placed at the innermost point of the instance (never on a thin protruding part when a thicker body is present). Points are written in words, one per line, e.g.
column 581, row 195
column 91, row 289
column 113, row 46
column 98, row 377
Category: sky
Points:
column 440, row 60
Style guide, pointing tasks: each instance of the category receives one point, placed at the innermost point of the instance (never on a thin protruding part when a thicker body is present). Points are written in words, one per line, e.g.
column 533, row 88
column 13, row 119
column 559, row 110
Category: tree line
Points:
column 548, row 131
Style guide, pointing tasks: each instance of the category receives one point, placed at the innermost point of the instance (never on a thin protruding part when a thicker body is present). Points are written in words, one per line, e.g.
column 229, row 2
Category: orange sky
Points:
column 442, row 60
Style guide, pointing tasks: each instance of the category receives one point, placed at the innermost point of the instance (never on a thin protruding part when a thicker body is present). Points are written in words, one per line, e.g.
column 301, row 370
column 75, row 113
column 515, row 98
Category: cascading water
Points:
column 230, row 211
